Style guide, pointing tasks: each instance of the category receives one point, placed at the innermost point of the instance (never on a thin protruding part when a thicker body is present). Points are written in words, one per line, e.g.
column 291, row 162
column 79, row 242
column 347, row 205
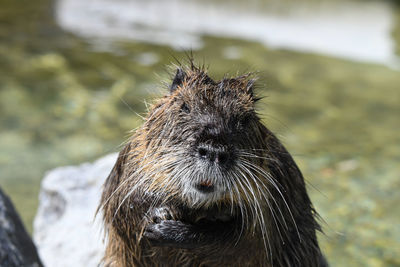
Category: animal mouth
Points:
column 205, row 187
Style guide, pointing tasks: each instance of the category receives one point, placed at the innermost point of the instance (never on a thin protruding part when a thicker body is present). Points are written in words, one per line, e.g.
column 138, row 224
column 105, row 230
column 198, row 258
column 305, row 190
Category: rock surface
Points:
column 16, row 246
column 65, row 229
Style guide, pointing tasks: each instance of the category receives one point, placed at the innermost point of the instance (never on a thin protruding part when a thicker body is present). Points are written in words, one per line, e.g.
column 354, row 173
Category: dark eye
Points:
column 185, row 108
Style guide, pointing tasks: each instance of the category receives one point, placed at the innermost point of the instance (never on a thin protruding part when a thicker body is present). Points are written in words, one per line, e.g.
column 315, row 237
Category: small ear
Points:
column 178, row 79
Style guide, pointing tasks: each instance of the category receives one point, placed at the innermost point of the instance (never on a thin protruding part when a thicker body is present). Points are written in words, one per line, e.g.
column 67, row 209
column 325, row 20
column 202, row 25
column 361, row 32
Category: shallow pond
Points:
column 69, row 97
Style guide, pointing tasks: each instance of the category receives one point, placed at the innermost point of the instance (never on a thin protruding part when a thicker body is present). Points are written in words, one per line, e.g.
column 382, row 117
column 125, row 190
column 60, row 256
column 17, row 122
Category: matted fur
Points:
column 258, row 213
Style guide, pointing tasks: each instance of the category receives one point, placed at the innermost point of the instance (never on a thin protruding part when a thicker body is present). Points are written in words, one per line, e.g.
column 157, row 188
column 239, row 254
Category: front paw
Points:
column 157, row 215
column 165, row 233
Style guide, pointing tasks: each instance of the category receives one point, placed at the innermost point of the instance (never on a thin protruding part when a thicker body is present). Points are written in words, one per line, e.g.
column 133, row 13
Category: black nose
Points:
column 219, row 155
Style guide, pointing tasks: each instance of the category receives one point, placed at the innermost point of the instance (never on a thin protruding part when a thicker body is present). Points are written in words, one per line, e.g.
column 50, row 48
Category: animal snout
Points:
column 218, row 154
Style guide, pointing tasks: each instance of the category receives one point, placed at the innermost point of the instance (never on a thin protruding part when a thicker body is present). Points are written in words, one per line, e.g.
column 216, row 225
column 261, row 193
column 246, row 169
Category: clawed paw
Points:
column 162, row 233
column 153, row 232
column 161, row 225
column 160, row 214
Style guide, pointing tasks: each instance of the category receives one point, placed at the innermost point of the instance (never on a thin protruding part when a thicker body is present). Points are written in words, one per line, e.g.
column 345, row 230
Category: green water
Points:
column 62, row 102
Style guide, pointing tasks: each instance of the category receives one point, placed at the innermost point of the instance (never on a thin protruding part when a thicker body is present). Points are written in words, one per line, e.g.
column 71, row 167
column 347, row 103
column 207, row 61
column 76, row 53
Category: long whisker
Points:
column 256, row 178
column 271, row 180
column 258, row 219
column 266, row 198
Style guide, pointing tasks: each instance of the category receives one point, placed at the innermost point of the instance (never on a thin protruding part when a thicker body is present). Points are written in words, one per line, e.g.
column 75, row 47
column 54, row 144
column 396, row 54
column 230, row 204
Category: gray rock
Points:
column 65, row 228
column 16, row 246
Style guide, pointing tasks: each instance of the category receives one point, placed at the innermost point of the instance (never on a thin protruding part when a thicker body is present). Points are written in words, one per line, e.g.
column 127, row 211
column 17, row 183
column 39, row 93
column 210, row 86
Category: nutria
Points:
column 204, row 183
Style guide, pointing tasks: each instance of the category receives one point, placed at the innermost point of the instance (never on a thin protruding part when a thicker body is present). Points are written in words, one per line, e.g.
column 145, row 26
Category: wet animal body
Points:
column 204, row 183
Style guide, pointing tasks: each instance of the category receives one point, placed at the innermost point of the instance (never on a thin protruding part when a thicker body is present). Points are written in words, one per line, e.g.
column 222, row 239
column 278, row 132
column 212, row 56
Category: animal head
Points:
column 207, row 138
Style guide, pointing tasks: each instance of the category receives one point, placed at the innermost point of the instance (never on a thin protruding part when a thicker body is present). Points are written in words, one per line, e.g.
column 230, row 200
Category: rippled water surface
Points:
column 68, row 95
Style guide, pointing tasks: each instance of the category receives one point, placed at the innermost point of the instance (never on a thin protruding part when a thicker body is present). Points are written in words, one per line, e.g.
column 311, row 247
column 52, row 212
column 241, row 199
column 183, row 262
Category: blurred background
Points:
column 74, row 75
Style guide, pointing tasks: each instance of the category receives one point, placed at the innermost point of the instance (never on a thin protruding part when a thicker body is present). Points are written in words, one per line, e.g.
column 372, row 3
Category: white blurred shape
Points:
column 357, row 30
column 65, row 231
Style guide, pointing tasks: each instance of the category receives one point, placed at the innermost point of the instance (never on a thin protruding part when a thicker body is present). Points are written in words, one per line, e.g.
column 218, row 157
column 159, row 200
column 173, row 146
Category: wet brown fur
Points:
column 274, row 221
